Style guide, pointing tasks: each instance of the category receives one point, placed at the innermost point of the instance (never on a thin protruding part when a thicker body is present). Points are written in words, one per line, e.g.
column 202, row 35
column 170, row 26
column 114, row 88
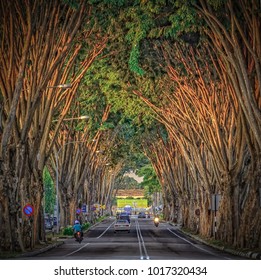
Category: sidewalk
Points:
column 38, row 251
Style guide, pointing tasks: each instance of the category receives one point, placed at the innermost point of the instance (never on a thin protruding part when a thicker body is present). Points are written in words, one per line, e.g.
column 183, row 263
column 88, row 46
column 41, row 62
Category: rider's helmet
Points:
column 76, row 222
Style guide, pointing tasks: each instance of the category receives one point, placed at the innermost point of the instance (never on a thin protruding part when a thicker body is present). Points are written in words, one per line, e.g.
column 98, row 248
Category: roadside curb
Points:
column 42, row 250
column 249, row 254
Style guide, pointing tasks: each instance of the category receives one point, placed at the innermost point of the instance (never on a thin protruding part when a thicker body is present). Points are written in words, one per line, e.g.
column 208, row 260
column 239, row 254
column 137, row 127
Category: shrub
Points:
column 85, row 226
column 68, row 230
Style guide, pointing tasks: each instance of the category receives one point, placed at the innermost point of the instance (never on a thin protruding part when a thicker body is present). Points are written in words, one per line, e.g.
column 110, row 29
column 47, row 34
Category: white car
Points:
column 122, row 225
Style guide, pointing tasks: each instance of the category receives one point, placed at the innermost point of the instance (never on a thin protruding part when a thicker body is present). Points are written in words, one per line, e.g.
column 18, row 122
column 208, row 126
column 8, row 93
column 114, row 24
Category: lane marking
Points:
column 141, row 242
column 73, row 252
column 141, row 256
column 195, row 245
column 105, row 230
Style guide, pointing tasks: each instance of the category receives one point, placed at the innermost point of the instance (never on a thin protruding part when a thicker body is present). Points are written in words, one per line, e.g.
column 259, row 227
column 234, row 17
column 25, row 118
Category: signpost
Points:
column 215, row 201
column 260, row 197
column 197, row 213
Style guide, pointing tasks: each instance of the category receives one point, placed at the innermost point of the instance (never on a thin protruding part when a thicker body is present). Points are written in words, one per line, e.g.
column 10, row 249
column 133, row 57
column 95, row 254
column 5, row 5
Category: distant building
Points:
column 135, row 193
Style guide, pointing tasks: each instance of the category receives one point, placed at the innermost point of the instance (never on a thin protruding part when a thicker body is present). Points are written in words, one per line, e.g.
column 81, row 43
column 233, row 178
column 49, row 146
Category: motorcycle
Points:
column 78, row 237
column 156, row 221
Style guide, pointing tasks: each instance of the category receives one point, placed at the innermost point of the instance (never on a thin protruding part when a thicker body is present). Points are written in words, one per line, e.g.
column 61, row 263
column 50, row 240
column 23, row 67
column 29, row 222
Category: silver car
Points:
column 121, row 225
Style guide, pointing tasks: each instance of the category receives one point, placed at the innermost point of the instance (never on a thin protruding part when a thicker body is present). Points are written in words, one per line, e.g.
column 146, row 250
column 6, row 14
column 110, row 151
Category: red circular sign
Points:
column 28, row 210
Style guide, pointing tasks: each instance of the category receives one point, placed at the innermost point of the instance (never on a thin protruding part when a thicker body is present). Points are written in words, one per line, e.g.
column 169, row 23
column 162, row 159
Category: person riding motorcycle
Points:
column 77, row 227
column 156, row 220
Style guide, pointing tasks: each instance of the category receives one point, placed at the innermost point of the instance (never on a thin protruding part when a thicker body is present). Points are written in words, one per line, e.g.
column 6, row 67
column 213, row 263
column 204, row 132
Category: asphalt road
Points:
column 145, row 241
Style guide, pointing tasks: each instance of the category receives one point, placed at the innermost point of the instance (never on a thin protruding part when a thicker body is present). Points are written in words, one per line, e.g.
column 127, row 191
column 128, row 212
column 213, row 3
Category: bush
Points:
column 100, row 219
column 85, row 226
column 68, row 230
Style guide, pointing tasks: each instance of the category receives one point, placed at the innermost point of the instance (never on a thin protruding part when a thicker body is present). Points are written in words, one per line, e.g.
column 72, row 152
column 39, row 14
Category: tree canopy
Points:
column 171, row 88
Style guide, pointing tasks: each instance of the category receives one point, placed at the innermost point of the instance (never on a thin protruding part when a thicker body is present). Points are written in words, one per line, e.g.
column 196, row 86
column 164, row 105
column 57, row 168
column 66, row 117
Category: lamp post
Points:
column 77, row 118
column 65, row 86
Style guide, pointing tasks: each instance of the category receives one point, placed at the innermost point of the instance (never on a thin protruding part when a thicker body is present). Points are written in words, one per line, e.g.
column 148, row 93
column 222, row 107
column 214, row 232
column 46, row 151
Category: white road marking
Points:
column 73, row 252
column 105, row 230
column 141, row 242
column 195, row 245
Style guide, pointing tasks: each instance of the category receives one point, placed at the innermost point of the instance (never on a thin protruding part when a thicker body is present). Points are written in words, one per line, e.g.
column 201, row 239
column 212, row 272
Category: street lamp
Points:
column 65, row 86
column 77, row 118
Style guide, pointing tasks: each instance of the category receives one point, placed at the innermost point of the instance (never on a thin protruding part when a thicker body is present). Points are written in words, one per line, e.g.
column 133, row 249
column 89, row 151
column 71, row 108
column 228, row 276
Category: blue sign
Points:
column 28, row 210
column 84, row 208
column 78, row 211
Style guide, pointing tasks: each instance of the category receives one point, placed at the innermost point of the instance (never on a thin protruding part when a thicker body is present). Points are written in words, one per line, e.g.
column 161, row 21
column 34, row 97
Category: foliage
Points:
column 72, row 3
column 131, row 61
column 100, row 219
column 128, row 116
column 134, row 61
column 68, row 230
column 150, row 181
column 85, row 226
column 127, row 183
column 49, row 192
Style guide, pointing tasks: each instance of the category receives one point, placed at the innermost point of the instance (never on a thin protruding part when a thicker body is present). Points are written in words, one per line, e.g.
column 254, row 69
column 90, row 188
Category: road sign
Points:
column 28, row 210
column 78, row 211
column 84, row 208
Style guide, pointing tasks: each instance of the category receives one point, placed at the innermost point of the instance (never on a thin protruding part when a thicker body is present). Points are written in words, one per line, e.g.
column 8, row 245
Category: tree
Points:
column 208, row 120
column 150, row 179
column 208, row 102
column 40, row 44
column 127, row 182
column 181, row 80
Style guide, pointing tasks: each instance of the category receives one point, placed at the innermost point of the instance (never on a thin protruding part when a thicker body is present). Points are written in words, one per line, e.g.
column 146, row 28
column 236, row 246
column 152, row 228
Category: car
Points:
column 124, row 217
column 48, row 225
column 122, row 225
column 54, row 221
column 141, row 215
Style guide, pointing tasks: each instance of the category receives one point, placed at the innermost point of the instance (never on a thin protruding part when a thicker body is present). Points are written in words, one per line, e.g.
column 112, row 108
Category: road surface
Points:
column 145, row 241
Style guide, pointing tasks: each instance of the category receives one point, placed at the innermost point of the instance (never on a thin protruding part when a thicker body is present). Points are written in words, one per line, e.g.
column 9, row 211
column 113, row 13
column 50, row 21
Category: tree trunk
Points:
column 20, row 186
